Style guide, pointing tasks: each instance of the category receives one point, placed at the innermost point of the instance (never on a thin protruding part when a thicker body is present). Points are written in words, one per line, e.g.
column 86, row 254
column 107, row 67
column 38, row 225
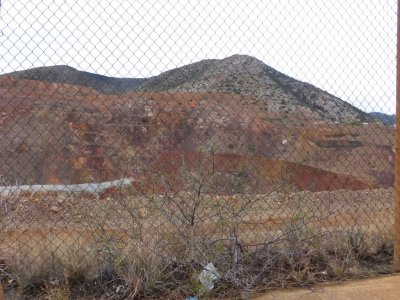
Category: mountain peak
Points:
column 237, row 74
column 246, row 75
column 47, row 73
column 242, row 58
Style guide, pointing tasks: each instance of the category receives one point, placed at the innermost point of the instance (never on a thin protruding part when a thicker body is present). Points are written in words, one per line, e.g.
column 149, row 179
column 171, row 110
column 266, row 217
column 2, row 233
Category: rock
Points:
column 55, row 209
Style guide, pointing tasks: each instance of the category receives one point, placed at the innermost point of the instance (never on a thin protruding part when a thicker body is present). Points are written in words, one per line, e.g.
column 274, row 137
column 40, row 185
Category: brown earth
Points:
column 62, row 133
column 33, row 216
column 382, row 288
column 72, row 226
column 291, row 148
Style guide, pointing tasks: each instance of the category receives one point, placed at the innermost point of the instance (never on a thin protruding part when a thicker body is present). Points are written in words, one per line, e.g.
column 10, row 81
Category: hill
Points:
column 236, row 117
column 245, row 75
column 238, row 74
column 384, row 118
column 66, row 74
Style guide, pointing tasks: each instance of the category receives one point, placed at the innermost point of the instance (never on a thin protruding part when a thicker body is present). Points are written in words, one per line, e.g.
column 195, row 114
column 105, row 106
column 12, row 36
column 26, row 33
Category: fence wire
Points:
column 176, row 149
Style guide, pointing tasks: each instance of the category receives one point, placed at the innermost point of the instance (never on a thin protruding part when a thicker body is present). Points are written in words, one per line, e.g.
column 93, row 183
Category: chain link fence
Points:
column 176, row 149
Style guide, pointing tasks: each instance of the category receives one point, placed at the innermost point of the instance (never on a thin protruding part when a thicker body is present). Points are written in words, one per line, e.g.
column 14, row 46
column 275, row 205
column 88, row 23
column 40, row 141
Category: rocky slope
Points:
column 238, row 74
column 384, row 118
column 241, row 74
column 220, row 117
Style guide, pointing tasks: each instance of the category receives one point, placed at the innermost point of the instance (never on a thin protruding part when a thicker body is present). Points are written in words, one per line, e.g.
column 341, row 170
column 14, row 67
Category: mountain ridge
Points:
column 384, row 118
column 247, row 118
column 69, row 75
column 237, row 74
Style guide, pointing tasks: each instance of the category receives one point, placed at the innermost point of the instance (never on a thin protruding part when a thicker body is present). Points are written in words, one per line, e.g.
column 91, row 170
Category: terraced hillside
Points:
column 235, row 117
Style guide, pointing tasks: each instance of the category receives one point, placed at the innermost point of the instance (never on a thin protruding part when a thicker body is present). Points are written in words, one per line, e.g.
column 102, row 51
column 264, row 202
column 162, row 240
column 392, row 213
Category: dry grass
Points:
column 139, row 246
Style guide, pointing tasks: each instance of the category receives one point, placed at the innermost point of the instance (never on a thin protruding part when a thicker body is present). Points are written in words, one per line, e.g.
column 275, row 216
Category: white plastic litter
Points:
column 209, row 276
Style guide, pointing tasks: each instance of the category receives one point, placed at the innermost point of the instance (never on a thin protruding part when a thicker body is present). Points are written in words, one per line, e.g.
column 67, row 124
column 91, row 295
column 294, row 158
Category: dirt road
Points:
column 385, row 288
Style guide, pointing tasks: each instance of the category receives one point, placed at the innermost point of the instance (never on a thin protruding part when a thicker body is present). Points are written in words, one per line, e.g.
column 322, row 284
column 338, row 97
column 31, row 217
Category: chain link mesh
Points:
column 183, row 148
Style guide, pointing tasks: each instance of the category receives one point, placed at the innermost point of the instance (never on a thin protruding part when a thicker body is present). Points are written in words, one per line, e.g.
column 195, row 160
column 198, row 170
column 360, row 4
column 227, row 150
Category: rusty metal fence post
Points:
column 397, row 166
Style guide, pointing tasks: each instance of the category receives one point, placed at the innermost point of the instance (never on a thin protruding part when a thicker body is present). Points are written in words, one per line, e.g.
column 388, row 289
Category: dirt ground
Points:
column 382, row 288
column 68, row 225
column 69, row 218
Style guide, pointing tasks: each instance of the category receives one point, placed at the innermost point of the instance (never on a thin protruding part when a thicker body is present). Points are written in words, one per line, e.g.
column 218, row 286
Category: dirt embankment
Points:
column 79, row 135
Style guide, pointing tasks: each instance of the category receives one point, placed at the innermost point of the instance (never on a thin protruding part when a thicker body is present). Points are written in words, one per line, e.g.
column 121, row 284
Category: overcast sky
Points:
column 346, row 47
